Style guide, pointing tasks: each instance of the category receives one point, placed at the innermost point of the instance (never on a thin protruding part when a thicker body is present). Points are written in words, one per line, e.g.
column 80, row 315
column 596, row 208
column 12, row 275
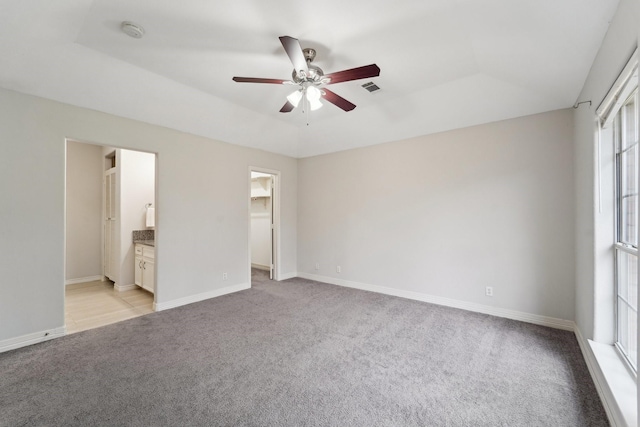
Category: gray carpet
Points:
column 301, row 353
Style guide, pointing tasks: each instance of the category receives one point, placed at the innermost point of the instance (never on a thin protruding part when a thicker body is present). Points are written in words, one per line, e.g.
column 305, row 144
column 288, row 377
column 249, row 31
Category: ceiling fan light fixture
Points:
column 295, row 97
column 313, row 93
column 314, row 104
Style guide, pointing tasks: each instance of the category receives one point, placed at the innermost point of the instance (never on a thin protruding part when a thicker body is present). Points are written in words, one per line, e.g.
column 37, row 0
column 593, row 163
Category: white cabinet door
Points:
column 145, row 267
column 148, row 275
column 110, row 210
column 107, row 249
column 110, row 228
column 138, row 271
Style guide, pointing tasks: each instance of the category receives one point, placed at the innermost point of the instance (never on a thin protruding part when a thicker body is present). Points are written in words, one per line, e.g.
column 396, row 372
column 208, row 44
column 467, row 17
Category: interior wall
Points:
column 616, row 49
column 137, row 188
column 202, row 224
column 84, row 211
column 449, row 214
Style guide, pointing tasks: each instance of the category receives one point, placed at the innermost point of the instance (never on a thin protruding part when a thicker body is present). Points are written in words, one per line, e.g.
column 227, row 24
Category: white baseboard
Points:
column 260, row 266
column 285, row 276
column 552, row 322
column 200, row 297
column 83, row 280
column 606, row 396
column 34, row 338
column 614, row 382
column 122, row 288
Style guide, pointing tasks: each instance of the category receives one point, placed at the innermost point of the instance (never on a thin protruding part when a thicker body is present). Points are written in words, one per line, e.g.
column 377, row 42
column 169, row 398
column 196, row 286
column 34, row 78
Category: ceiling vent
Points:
column 371, row 87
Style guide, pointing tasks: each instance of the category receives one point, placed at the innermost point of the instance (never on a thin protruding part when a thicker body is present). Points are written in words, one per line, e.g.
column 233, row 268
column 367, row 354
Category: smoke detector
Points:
column 132, row 29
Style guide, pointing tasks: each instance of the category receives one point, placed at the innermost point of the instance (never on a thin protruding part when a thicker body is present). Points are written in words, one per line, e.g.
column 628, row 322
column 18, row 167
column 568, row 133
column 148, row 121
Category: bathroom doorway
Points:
column 108, row 193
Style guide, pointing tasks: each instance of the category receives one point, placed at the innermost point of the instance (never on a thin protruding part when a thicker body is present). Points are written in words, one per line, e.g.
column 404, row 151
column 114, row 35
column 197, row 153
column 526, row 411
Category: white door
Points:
column 271, row 231
column 109, row 222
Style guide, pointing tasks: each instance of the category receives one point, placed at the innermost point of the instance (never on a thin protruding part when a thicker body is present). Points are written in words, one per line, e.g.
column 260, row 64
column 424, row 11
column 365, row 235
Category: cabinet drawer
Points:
column 148, row 252
column 138, row 249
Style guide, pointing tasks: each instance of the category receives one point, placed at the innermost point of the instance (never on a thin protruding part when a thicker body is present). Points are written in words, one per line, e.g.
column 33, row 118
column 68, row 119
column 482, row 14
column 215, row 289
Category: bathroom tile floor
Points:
column 93, row 304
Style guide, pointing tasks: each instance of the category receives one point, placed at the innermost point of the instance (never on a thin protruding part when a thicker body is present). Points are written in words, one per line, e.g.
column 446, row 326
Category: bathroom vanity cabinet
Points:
column 145, row 267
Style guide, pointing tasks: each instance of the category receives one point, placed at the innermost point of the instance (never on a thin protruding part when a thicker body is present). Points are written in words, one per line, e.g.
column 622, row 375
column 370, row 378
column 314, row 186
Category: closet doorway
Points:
column 263, row 222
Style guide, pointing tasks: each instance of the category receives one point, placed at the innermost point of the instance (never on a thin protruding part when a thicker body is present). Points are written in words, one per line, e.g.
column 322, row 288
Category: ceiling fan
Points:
column 311, row 79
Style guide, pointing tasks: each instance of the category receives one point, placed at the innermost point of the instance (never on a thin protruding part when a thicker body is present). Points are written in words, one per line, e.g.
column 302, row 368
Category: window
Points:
column 625, row 132
column 618, row 118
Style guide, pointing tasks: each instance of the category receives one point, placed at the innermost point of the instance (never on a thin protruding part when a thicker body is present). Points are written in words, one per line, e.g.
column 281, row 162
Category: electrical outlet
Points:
column 338, row 269
column 488, row 291
column 317, row 266
column 225, row 276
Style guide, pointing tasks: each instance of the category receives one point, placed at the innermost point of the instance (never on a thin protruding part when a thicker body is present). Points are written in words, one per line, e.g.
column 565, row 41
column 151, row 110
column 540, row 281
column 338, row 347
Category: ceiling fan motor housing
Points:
column 309, row 54
column 314, row 75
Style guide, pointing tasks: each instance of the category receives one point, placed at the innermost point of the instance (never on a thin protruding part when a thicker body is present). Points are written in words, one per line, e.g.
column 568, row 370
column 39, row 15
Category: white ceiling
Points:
column 445, row 64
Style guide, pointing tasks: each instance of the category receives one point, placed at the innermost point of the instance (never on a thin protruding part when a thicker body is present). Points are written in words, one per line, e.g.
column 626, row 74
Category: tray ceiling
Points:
column 445, row 64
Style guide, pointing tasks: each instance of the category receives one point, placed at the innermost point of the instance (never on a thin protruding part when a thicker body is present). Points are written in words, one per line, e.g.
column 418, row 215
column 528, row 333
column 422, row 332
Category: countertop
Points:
column 145, row 242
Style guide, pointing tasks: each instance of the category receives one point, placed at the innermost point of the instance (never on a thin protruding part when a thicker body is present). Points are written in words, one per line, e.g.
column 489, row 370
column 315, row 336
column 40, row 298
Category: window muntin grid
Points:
column 626, row 247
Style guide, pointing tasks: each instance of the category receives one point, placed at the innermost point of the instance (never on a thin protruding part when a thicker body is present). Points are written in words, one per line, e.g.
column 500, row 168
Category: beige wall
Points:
column 84, row 211
column 448, row 214
column 202, row 212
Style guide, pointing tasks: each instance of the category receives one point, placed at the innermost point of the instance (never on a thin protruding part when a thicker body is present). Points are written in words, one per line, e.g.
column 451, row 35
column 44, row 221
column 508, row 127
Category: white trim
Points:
column 34, row 338
column 122, row 288
column 567, row 325
column 260, row 266
column 618, row 92
column 285, row 276
column 199, row 297
column 598, row 151
column 83, row 280
column 260, row 215
column 616, row 387
column 598, row 379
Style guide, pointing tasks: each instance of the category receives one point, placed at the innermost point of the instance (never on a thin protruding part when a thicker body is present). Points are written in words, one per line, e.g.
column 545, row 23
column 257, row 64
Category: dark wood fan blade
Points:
column 337, row 100
column 258, row 80
column 286, row 108
column 354, row 74
column 293, row 49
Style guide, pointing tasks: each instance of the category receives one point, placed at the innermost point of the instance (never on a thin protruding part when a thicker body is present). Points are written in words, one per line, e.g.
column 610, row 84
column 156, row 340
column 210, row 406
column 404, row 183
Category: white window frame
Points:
column 609, row 109
column 620, row 247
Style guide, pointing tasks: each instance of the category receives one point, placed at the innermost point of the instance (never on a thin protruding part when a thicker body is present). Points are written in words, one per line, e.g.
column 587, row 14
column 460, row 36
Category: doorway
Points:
column 107, row 195
column 263, row 223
